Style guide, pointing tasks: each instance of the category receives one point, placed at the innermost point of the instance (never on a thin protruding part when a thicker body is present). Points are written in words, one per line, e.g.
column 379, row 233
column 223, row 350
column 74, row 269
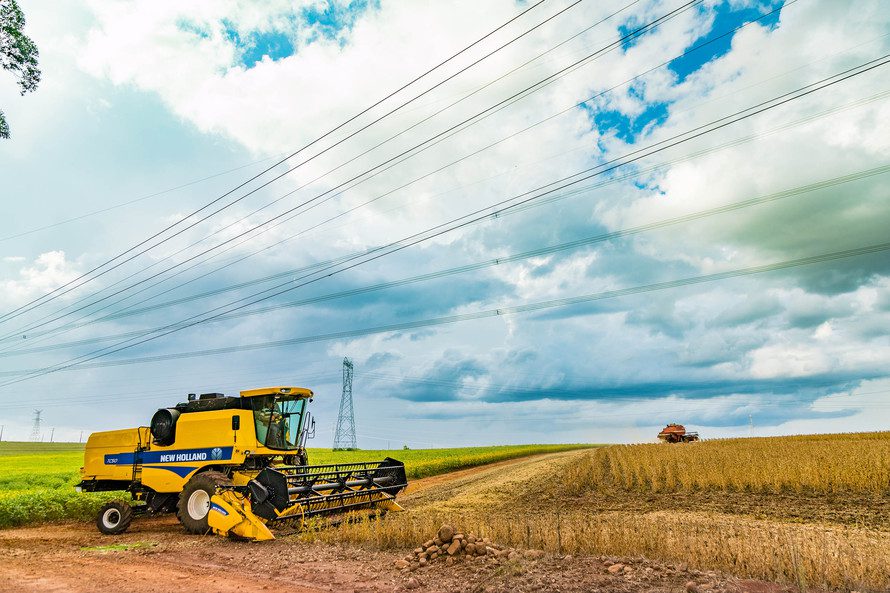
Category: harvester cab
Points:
column 231, row 465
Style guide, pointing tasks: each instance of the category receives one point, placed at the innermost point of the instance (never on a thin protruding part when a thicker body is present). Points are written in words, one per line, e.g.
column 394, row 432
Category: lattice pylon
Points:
column 344, row 437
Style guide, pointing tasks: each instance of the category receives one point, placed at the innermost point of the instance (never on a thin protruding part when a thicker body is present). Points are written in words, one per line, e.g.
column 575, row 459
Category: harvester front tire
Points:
column 114, row 517
column 194, row 500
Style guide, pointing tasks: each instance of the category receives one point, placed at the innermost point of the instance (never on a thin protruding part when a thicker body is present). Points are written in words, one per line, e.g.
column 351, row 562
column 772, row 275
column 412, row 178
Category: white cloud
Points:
column 788, row 325
column 48, row 271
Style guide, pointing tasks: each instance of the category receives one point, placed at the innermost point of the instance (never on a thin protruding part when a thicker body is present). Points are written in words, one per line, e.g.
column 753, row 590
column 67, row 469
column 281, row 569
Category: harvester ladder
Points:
column 137, row 458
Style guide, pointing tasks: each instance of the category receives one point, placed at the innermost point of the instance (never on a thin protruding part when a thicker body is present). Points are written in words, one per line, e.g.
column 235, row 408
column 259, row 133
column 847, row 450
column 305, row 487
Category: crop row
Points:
column 831, row 557
column 843, row 463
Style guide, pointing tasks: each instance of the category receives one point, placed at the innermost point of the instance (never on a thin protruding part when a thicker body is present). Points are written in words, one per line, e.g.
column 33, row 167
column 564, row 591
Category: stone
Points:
column 453, row 548
column 400, row 564
column 434, row 555
column 513, row 555
column 691, row 587
column 446, row 533
column 616, row 568
column 437, row 542
column 418, row 550
column 628, row 569
column 412, row 583
column 449, row 561
column 428, row 543
column 423, row 561
column 470, row 549
column 534, row 554
column 422, row 556
column 481, row 550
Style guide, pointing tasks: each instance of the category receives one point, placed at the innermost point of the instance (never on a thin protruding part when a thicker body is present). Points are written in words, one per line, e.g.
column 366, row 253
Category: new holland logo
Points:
column 216, row 453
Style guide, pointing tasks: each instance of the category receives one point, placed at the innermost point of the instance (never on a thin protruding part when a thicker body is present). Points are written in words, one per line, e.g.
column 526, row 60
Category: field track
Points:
column 155, row 556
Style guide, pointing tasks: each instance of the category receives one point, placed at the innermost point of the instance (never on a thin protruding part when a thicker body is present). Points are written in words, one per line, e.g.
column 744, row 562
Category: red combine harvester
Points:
column 676, row 433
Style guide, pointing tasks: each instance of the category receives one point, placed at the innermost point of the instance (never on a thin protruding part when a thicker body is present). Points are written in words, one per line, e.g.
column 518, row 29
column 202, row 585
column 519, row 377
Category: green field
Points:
column 37, row 479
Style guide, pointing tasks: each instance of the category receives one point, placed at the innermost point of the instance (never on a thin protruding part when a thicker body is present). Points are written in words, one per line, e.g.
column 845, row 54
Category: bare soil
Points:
column 155, row 555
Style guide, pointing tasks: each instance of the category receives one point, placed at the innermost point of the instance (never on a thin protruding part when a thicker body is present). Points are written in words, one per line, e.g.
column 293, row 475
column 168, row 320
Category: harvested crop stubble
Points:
column 838, row 463
column 817, row 556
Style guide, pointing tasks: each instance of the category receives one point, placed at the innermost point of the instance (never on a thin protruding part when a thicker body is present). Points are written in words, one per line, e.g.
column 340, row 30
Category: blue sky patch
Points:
column 725, row 19
column 329, row 20
column 626, row 127
column 256, row 44
column 333, row 18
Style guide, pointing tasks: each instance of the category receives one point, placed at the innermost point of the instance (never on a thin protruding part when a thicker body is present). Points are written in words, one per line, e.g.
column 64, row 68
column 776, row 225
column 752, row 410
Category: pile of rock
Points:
column 450, row 546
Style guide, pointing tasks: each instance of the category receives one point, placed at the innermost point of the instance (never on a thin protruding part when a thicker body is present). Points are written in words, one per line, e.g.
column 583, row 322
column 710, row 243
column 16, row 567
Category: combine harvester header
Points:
column 231, row 465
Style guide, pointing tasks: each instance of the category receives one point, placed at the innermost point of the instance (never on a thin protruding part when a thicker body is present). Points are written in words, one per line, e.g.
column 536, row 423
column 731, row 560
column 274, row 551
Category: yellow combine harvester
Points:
column 231, row 465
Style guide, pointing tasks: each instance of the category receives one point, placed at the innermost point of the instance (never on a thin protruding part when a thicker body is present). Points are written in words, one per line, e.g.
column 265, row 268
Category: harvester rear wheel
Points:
column 194, row 500
column 114, row 517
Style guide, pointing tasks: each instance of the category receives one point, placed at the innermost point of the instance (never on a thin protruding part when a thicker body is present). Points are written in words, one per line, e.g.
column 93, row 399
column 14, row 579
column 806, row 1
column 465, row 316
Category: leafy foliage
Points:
column 37, row 479
column 18, row 53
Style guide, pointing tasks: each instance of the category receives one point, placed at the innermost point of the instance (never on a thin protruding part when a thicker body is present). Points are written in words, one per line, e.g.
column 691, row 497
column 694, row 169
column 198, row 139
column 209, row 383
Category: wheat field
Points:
column 806, row 555
column 836, row 463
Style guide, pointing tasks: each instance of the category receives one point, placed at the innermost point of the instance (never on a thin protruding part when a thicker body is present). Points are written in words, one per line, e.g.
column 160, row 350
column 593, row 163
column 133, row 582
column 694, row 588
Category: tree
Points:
column 18, row 54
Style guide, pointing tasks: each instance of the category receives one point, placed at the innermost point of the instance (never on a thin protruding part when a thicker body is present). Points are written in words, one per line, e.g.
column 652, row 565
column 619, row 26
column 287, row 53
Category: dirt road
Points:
column 156, row 556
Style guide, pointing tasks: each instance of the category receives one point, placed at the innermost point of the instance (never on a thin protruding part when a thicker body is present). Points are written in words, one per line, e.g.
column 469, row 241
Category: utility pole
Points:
column 35, row 430
column 52, row 433
column 80, row 438
column 344, row 437
column 750, row 425
column 1, row 432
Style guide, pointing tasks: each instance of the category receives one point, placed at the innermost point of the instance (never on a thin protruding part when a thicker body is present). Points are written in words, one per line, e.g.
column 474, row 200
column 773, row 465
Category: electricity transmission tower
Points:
column 35, row 431
column 344, row 438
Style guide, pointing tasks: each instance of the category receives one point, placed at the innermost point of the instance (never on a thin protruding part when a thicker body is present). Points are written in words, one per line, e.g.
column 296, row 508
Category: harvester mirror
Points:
column 236, row 422
column 308, row 429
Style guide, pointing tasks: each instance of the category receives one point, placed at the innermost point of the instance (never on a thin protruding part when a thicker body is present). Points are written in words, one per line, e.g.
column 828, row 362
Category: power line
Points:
column 129, row 311
column 615, row 163
column 632, row 34
column 548, row 250
column 489, row 313
column 313, row 142
column 688, row 51
column 135, row 200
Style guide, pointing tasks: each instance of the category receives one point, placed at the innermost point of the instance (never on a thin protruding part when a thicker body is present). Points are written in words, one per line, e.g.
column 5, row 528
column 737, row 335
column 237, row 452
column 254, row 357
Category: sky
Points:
column 597, row 218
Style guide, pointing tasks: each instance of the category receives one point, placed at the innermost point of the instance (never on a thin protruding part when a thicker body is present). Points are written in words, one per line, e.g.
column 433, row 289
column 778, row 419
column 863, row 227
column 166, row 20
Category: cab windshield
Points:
column 277, row 419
